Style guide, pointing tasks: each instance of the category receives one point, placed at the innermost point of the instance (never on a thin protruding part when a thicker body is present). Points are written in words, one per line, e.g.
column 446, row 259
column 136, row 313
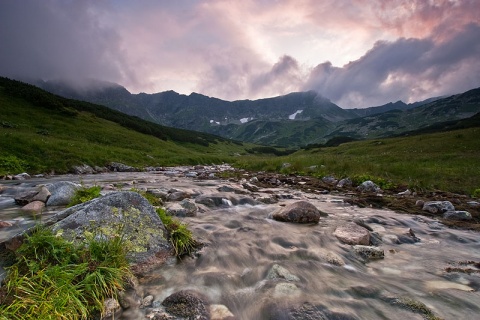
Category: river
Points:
column 242, row 245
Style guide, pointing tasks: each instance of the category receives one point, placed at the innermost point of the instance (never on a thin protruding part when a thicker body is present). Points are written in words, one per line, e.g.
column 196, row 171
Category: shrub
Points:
column 179, row 236
column 53, row 278
column 11, row 164
column 476, row 193
column 85, row 194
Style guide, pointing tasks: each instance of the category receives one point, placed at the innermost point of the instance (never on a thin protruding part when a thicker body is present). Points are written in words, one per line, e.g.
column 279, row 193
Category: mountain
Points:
column 43, row 132
column 292, row 120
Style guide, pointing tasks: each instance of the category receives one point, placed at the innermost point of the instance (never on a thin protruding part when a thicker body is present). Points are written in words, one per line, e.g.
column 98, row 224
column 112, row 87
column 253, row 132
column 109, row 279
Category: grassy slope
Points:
column 45, row 138
column 447, row 160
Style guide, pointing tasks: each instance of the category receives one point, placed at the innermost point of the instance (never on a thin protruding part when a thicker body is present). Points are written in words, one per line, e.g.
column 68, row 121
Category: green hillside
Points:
column 41, row 132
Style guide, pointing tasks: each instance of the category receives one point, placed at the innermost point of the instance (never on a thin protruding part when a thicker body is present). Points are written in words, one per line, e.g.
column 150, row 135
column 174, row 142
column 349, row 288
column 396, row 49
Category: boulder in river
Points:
column 369, row 252
column 187, row 304
column 126, row 214
column 298, row 212
column 62, row 192
column 352, row 233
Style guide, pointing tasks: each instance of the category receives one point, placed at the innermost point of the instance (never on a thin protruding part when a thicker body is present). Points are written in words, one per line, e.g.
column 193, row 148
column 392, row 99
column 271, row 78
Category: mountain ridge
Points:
column 292, row 120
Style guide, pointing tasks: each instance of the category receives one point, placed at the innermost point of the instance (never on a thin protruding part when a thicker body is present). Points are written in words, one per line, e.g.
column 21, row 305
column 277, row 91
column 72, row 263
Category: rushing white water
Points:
column 242, row 245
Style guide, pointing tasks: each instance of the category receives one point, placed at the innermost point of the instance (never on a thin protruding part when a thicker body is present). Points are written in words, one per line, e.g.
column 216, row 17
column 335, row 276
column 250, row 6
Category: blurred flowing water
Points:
column 242, row 245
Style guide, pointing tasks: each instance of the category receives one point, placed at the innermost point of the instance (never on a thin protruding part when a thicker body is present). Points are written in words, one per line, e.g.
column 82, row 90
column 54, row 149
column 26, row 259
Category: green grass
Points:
column 179, row 235
column 85, row 194
column 448, row 161
column 41, row 133
column 56, row 279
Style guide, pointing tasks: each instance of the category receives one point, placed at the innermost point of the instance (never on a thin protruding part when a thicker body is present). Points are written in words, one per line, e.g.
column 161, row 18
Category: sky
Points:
column 357, row 53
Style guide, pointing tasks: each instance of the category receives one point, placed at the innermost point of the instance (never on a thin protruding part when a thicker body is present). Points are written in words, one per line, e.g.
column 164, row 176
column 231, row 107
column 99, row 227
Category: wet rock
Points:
column 346, row 182
column 368, row 186
column 369, row 252
column 333, row 258
column 34, row 206
column 231, row 189
column 120, row 167
column 457, row 215
column 146, row 302
column 83, row 169
column 184, row 208
column 111, row 308
column 473, row 204
column 438, row 206
column 279, row 272
column 191, row 174
column 42, row 195
column 250, row 187
column 21, row 176
column 362, row 223
column 305, row 311
column 298, row 212
column 329, row 180
column 161, row 194
column 24, row 197
column 405, row 193
column 220, row 312
column 127, row 213
column 419, row 203
column 408, row 237
column 62, row 193
column 286, row 290
column 187, row 304
column 5, row 224
column 177, row 196
column 268, row 200
column 351, row 233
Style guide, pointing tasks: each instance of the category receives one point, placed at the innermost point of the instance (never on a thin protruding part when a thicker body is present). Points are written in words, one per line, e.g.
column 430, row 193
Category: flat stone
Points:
column 352, row 233
column 34, row 206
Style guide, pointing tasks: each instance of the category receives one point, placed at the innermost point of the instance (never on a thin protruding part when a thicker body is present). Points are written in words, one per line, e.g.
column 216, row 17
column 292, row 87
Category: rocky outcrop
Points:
column 126, row 214
column 352, row 233
column 298, row 212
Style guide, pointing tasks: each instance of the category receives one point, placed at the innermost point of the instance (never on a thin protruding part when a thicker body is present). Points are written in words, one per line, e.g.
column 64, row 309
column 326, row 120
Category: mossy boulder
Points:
column 126, row 214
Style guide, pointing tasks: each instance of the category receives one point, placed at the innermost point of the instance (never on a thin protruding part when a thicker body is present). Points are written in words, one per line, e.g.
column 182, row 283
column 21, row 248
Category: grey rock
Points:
column 120, row 167
column 279, row 272
column 223, row 200
column 250, row 187
column 177, row 196
column 42, row 195
column 125, row 214
column 473, row 204
column 330, row 180
column 369, row 252
column 298, row 212
column 368, row 186
column 346, row 182
column 351, row 233
column 111, row 308
column 184, row 208
column 438, row 206
column 283, row 290
column 191, row 174
column 25, row 196
column 83, row 169
column 147, row 301
column 419, row 203
column 21, row 176
column 161, row 194
column 457, row 215
column 267, row 200
column 62, row 193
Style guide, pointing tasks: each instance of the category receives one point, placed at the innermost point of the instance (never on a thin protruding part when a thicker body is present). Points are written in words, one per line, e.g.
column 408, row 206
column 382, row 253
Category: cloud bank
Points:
column 357, row 53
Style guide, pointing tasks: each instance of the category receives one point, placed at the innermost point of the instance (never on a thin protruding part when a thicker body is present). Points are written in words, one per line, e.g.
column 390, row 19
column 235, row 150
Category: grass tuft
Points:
column 179, row 235
column 53, row 278
column 85, row 194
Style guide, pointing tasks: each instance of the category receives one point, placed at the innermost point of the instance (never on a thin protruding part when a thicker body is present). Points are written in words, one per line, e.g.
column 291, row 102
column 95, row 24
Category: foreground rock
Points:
column 299, row 212
column 352, row 233
column 125, row 214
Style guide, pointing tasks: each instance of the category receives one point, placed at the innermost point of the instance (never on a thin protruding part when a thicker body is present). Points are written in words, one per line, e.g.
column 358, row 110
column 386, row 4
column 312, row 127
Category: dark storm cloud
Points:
column 402, row 69
column 58, row 39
